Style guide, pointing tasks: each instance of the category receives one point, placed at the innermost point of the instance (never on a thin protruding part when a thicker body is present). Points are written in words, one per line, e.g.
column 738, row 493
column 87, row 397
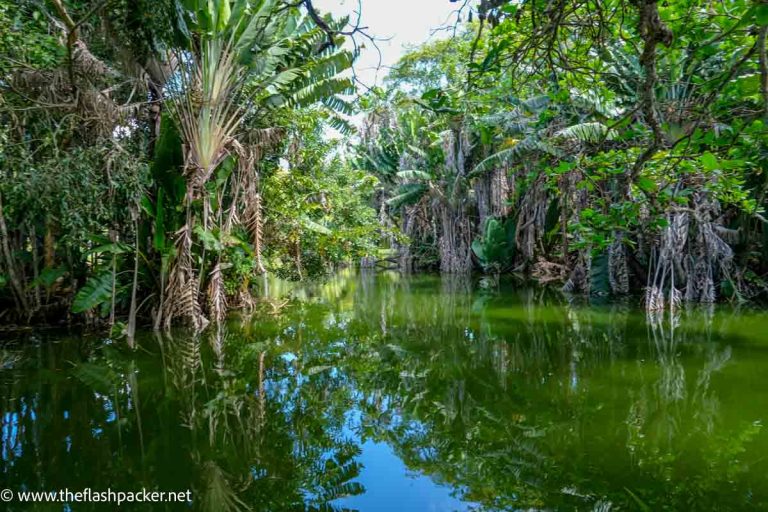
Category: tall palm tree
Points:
column 244, row 60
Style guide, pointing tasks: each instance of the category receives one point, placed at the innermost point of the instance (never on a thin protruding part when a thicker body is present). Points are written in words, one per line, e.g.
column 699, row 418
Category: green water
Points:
column 406, row 394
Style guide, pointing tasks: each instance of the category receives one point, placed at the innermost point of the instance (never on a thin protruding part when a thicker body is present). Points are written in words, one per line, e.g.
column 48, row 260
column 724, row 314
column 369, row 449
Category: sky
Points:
column 395, row 24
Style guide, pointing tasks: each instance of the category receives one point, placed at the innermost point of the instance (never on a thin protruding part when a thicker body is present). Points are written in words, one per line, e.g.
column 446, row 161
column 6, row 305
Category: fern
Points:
column 97, row 290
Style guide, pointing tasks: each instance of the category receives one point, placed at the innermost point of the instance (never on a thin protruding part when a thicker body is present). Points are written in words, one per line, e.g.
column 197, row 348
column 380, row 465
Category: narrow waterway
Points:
column 393, row 393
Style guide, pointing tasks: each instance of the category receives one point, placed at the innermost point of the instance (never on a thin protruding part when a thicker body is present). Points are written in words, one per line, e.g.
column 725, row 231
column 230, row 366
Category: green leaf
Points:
column 158, row 239
column 599, row 282
column 314, row 370
column 314, row 226
column 415, row 175
column 496, row 248
column 709, row 161
column 509, row 9
column 49, row 276
column 640, row 503
column 97, row 376
column 114, row 248
column 409, row 194
column 222, row 15
column 761, row 14
column 587, row 132
column 477, row 248
column 97, row 290
column 209, row 238
column 563, row 167
column 646, row 184
column 511, row 155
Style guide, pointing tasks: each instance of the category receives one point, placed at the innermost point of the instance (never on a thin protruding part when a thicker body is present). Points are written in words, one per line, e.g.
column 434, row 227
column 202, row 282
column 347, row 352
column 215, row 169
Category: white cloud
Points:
column 397, row 24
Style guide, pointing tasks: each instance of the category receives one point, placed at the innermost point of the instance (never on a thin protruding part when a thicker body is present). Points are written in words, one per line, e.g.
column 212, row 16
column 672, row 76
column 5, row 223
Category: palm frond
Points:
column 217, row 300
column 318, row 90
column 409, row 194
column 511, row 155
column 593, row 133
column 341, row 125
column 415, row 175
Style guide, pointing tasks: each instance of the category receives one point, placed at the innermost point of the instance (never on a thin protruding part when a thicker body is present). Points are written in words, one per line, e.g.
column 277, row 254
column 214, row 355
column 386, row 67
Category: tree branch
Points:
column 653, row 31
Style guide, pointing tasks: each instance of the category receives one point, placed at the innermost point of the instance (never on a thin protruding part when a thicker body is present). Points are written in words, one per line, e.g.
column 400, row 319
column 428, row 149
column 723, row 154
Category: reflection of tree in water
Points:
column 673, row 422
column 274, row 436
column 509, row 403
column 512, row 400
column 228, row 417
column 442, row 368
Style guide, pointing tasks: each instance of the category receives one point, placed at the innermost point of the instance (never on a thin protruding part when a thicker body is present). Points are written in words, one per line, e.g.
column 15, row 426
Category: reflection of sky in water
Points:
column 389, row 484
column 10, row 434
column 10, row 445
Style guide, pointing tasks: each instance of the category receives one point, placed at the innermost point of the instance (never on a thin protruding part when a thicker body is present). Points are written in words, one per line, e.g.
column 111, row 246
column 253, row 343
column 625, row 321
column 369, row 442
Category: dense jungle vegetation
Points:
column 159, row 158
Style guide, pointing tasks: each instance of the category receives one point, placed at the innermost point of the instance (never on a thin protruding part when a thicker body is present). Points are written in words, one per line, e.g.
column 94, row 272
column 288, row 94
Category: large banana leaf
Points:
column 495, row 250
column 415, row 175
column 587, row 132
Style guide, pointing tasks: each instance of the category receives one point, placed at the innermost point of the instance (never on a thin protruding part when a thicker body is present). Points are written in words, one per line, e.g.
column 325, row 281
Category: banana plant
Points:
column 495, row 250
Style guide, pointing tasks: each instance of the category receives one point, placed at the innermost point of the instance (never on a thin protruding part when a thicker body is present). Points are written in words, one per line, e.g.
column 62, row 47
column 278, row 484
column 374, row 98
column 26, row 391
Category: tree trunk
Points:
column 407, row 227
column 131, row 329
column 492, row 193
column 10, row 264
column 455, row 240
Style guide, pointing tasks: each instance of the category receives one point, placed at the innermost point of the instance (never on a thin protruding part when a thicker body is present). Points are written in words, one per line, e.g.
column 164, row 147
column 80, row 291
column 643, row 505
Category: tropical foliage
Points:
column 626, row 151
column 159, row 156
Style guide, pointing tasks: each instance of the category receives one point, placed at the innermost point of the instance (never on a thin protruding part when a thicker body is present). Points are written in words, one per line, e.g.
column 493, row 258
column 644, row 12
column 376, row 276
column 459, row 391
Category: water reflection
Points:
column 385, row 391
